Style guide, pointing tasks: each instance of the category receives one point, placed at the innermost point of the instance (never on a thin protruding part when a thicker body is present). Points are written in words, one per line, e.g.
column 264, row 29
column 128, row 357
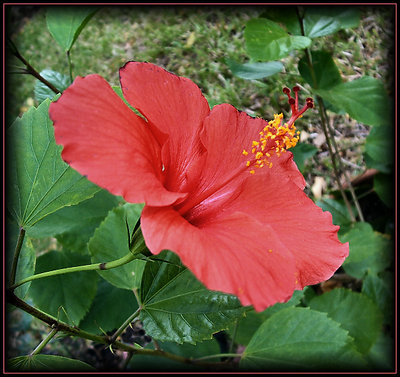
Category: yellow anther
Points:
column 245, row 153
column 252, row 171
column 248, row 163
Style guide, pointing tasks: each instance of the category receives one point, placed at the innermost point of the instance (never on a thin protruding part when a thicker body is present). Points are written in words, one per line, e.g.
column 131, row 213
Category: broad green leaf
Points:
column 65, row 23
column 380, row 289
column 146, row 363
column 302, row 152
column 325, row 72
column 370, row 251
column 110, row 308
column 72, row 292
column 317, row 25
column 379, row 148
column 111, row 241
column 355, row 312
column 47, row 363
column 266, row 40
column 60, row 81
column 299, row 339
column 178, row 308
column 73, row 226
column 384, row 186
column 321, row 21
column 252, row 71
column 252, row 320
column 26, row 260
column 364, row 99
column 39, row 182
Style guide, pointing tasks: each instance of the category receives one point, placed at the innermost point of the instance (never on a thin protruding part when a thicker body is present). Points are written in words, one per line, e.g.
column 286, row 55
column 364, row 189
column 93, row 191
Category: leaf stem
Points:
column 29, row 69
column 43, row 343
column 138, row 247
column 125, row 325
column 17, row 252
column 69, row 65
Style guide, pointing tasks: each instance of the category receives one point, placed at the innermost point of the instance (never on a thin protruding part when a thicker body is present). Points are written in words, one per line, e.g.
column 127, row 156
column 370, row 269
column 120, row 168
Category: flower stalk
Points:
column 44, row 342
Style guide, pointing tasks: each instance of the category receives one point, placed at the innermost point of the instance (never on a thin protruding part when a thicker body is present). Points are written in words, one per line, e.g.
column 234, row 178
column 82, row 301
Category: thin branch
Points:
column 29, row 69
column 11, row 298
column 44, row 342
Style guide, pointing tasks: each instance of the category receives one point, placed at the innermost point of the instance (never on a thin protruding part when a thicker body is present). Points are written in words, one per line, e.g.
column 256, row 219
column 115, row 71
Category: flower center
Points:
column 276, row 138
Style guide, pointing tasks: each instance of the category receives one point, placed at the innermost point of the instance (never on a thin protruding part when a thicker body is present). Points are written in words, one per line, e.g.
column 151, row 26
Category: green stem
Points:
column 138, row 247
column 125, row 325
column 29, row 69
column 69, row 66
column 43, row 343
column 218, row 355
column 324, row 123
column 17, row 252
column 234, row 335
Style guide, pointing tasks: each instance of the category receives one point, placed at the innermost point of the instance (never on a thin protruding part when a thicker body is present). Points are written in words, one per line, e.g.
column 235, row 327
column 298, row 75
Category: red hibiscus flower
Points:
column 219, row 189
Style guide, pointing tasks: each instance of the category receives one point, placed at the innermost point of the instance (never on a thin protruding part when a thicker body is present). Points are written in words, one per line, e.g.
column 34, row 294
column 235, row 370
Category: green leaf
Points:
column 47, row 363
column 72, row 292
column 321, row 21
column 252, row 71
column 364, row 99
column 318, row 21
column 60, row 81
column 302, row 152
column 73, row 226
column 355, row 312
column 298, row 339
column 370, row 251
column 252, row 320
column 111, row 241
column 266, row 40
column 39, row 181
column 380, row 289
column 384, row 186
column 66, row 23
column 317, row 25
column 325, row 70
column 148, row 363
column 379, row 148
column 178, row 308
column 110, row 308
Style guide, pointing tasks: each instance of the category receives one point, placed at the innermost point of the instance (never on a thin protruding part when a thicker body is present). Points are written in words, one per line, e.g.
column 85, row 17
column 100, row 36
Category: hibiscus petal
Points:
column 233, row 253
column 106, row 141
column 174, row 106
column 301, row 225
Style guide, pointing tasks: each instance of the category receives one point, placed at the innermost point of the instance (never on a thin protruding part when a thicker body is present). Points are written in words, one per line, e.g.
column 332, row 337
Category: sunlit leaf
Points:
column 267, row 41
column 65, row 23
column 39, row 182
